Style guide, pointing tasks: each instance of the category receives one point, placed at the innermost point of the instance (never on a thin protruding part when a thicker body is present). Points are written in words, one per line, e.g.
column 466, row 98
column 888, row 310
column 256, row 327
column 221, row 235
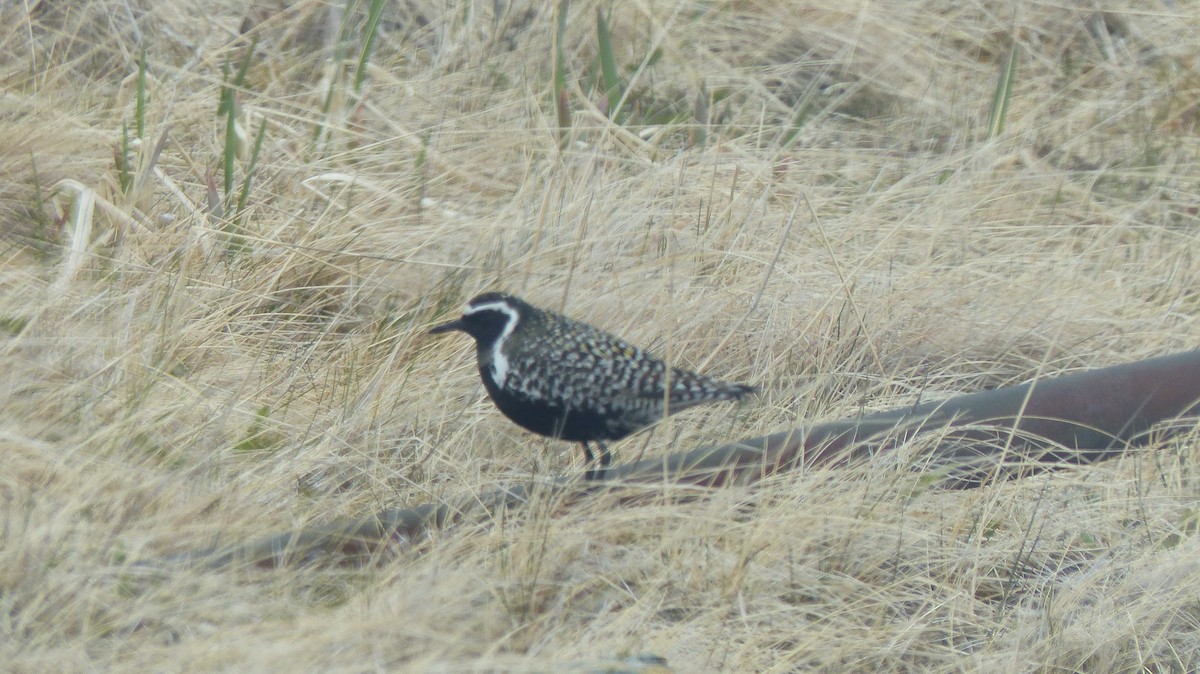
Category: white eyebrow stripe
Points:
column 490, row 306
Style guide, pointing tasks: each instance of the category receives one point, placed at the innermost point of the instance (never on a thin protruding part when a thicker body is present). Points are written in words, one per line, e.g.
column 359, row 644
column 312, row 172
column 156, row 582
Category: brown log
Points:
column 1045, row 424
column 1077, row 418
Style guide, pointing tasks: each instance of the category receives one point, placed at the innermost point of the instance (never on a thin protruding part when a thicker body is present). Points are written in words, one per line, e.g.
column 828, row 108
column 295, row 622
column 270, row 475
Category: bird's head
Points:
column 489, row 318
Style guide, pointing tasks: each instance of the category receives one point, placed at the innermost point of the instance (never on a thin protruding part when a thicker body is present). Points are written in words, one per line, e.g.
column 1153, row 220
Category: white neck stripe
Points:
column 499, row 361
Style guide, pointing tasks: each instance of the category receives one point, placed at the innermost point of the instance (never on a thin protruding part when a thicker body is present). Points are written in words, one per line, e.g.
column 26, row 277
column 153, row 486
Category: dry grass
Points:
column 164, row 389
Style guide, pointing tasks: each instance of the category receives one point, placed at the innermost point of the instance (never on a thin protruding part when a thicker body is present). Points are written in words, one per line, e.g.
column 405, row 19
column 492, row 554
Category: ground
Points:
column 227, row 227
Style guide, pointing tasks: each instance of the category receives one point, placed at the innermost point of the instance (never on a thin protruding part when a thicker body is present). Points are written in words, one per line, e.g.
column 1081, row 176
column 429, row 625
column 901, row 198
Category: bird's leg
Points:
column 605, row 456
column 589, row 461
column 605, row 460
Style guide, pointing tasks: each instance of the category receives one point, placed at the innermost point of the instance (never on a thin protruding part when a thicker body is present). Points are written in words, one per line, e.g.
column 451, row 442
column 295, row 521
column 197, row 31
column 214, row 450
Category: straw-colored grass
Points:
column 170, row 381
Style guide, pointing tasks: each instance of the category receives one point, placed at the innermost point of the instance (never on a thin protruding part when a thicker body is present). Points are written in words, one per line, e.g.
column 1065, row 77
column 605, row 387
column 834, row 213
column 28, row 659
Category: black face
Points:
column 485, row 318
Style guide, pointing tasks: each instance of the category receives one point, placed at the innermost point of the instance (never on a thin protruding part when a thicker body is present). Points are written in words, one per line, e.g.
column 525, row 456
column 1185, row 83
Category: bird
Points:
column 566, row 379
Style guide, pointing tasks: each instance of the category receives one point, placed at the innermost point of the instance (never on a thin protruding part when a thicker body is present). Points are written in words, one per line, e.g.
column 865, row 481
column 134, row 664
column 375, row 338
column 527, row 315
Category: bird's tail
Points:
column 737, row 391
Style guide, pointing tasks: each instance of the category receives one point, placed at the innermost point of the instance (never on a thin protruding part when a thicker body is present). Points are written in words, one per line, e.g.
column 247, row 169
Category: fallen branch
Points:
column 1011, row 432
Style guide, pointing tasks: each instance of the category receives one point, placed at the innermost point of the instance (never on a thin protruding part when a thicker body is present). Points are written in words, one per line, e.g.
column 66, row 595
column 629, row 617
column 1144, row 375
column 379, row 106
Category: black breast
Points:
column 552, row 418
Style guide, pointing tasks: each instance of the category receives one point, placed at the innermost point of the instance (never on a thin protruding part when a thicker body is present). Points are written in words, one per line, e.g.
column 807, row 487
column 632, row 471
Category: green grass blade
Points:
column 123, row 174
column 230, row 150
column 368, row 43
column 250, row 169
column 244, row 67
column 140, row 104
column 224, row 101
column 343, row 38
column 1003, row 94
column 321, row 127
column 608, row 65
column 39, row 199
column 421, row 169
column 560, row 71
column 799, row 119
column 341, row 46
column 701, row 111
